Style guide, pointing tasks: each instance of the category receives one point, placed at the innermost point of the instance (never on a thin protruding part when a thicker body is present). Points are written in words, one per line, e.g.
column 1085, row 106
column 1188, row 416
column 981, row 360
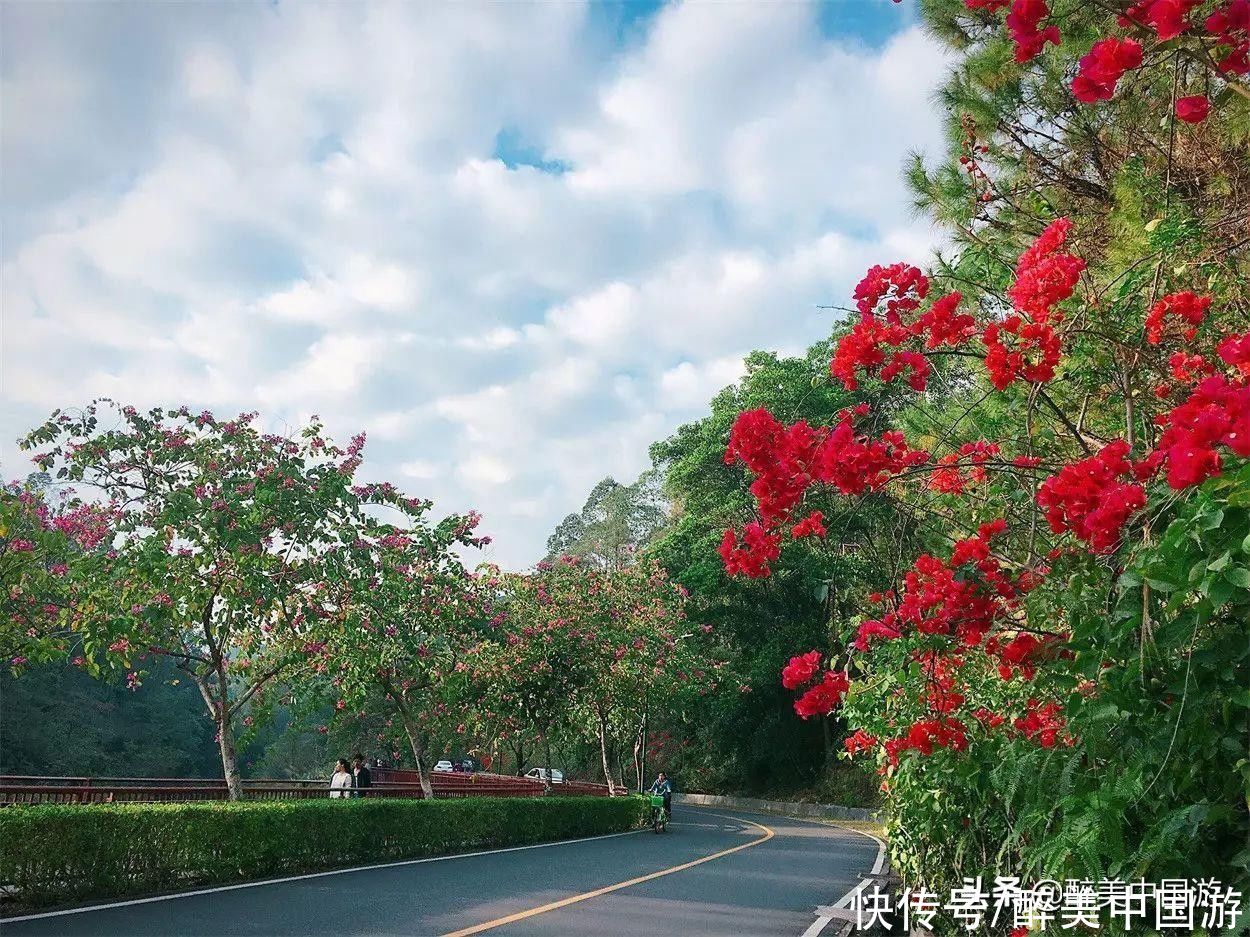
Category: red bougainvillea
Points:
column 1094, row 498
column 1186, row 306
column 800, row 670
column 1024, row 25
column 1103, row 67
column 1193, row 109
column 810, row 526
column 1166, row 17
column 824, row 697
column 1229, row 23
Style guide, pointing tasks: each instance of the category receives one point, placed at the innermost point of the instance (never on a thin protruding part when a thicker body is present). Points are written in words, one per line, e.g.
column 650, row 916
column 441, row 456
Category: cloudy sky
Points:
column 514, row 242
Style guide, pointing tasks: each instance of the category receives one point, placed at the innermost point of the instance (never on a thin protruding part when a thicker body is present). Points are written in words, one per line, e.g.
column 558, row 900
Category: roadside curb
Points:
column 779, row 807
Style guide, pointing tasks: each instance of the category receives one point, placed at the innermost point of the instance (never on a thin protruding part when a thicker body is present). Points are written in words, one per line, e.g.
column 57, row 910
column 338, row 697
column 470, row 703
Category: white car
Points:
column 540, row 774
column 443, row 765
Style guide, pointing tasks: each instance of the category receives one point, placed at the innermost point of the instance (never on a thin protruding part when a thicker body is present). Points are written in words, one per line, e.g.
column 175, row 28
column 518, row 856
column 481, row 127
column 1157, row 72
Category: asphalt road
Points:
column 769, row 886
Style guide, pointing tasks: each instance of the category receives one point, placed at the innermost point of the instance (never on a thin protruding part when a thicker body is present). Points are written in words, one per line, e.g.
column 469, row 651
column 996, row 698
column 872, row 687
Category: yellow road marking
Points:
column 565, row 902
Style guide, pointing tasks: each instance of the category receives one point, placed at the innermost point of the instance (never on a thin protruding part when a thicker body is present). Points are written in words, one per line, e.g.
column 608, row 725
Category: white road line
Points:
column 298, row 878
column 822, row 920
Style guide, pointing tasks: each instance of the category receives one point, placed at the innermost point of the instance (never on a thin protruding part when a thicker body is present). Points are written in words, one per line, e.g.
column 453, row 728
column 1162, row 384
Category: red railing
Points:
column 388, row 782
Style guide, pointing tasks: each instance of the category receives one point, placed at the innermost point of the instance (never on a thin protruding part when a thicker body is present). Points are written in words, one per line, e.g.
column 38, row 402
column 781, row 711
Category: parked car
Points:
column 540, row 774
column 443, row 765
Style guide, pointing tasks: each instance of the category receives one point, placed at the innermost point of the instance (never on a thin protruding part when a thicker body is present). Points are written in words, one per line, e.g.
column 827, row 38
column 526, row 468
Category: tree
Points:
column 227, row 547
column 411, row 612
column 614, row 524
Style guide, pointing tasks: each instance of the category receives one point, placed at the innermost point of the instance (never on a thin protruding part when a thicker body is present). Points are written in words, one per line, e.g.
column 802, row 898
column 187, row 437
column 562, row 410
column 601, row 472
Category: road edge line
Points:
column 822, row 921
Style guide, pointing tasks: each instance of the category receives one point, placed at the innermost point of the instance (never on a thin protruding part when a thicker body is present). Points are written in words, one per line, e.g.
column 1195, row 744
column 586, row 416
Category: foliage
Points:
column 57, row 854
column 614, row 524
column 585, row 647
column 1047, row 684
column 60, row 721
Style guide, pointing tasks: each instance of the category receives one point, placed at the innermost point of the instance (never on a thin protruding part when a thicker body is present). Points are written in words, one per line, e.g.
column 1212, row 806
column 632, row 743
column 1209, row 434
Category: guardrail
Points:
column 389, row 782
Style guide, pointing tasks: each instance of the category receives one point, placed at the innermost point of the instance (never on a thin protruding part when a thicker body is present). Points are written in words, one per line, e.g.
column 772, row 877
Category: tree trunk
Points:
column 418, row 750
column 547, row 781
column 603, row 751
column 219, row 712
column 229, row 755
column 640, row 754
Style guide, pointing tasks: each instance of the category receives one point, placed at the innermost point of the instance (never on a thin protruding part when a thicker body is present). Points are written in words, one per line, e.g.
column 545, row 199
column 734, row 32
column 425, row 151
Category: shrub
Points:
column 55, row 854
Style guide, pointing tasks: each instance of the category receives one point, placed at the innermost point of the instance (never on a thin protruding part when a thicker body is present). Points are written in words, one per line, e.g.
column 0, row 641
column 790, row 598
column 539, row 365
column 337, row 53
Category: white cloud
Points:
column 299, row 208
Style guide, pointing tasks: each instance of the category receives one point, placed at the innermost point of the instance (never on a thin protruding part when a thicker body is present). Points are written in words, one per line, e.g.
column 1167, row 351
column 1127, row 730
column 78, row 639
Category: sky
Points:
column 515, row 243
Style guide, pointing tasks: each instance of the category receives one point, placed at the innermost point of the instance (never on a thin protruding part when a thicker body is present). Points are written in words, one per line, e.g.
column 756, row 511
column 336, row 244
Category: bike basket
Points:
column 657, row 800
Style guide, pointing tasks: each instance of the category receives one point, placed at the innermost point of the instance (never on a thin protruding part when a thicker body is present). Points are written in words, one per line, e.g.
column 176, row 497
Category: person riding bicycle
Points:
column 664, row 787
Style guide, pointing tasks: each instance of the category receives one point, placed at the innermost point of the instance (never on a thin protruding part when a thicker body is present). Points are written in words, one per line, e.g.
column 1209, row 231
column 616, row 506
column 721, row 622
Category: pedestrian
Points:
column 341, row 780
column 362, row 778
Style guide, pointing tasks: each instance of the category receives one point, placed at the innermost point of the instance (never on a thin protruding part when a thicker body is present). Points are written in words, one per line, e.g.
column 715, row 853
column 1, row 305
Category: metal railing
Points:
column 388, row 782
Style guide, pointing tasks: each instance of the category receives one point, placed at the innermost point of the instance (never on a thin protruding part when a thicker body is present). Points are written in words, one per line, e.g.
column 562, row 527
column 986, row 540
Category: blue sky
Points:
column 516, row 243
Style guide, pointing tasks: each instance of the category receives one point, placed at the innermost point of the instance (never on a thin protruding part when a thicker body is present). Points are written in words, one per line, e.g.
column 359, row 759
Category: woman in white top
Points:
column 341, row 780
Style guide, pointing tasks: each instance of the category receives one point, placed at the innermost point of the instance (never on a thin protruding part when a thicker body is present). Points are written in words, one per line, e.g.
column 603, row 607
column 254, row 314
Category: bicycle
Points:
column 659, row 815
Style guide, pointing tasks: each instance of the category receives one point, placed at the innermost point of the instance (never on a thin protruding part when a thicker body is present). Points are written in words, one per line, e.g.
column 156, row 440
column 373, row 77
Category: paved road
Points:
column 771, row 886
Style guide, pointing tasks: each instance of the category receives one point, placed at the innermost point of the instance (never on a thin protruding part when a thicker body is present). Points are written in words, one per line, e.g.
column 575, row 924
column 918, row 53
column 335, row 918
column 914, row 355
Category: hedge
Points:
column 59, row 854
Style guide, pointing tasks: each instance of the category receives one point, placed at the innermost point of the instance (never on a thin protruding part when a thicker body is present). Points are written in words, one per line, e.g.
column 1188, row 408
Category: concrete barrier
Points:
column 780, row 807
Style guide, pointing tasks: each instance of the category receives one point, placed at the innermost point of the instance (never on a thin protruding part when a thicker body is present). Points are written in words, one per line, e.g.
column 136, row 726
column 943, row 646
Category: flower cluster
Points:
column 1217, row 413
column 800, row 670
column 955, row 472
column 1026, row 345
column 1165, row 17
column 759, row 549
column 1104, row 65
column 1044, row 724
column 1186, row 306
column 1094, row 498
column 1229, row 23
column 787, row 460
column 811, row 526
column 824, row 697
column 941, row 598
column 1024, row 24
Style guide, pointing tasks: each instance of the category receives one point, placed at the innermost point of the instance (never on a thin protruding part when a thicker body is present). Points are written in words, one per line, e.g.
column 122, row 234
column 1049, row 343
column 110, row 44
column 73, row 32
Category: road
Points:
column 714, row 873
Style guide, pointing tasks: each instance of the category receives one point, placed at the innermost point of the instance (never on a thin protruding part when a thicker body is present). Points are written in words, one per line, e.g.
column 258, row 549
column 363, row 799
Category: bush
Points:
column 55, row 854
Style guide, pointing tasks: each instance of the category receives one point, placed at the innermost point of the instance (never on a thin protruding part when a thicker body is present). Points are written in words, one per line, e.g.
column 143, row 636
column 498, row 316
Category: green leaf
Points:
column 1238, row 576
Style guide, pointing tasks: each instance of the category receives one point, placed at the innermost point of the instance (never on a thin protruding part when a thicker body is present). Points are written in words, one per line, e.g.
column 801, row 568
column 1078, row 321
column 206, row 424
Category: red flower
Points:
column 861, row 741
column 800, row 670
column 753, row 557
column 1230, row 24
column 1216, row 413
column 1167, row 17
column 1193, row 109
column 1091, row 499
column 1023, row 22
column 1186, row 306
column 1103, row 67
column 874, row 629
column 1045, row 276
column 1044, row 724
column 990, row 6
column 821, row 699
column 810, row 526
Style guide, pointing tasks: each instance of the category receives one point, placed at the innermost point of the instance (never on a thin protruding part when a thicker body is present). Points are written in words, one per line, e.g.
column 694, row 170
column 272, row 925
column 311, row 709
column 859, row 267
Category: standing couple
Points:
column 350, row 782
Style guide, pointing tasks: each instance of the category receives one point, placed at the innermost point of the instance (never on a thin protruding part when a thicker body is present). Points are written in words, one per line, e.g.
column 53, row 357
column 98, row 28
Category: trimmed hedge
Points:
column 59, row 854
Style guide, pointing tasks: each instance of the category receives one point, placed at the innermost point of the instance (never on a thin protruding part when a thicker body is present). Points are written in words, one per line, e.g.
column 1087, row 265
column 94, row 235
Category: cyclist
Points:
column 664, row 787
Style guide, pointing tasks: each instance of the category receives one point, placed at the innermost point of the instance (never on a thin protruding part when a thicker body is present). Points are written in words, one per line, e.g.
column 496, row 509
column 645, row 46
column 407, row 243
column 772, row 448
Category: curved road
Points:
column 715, row 872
